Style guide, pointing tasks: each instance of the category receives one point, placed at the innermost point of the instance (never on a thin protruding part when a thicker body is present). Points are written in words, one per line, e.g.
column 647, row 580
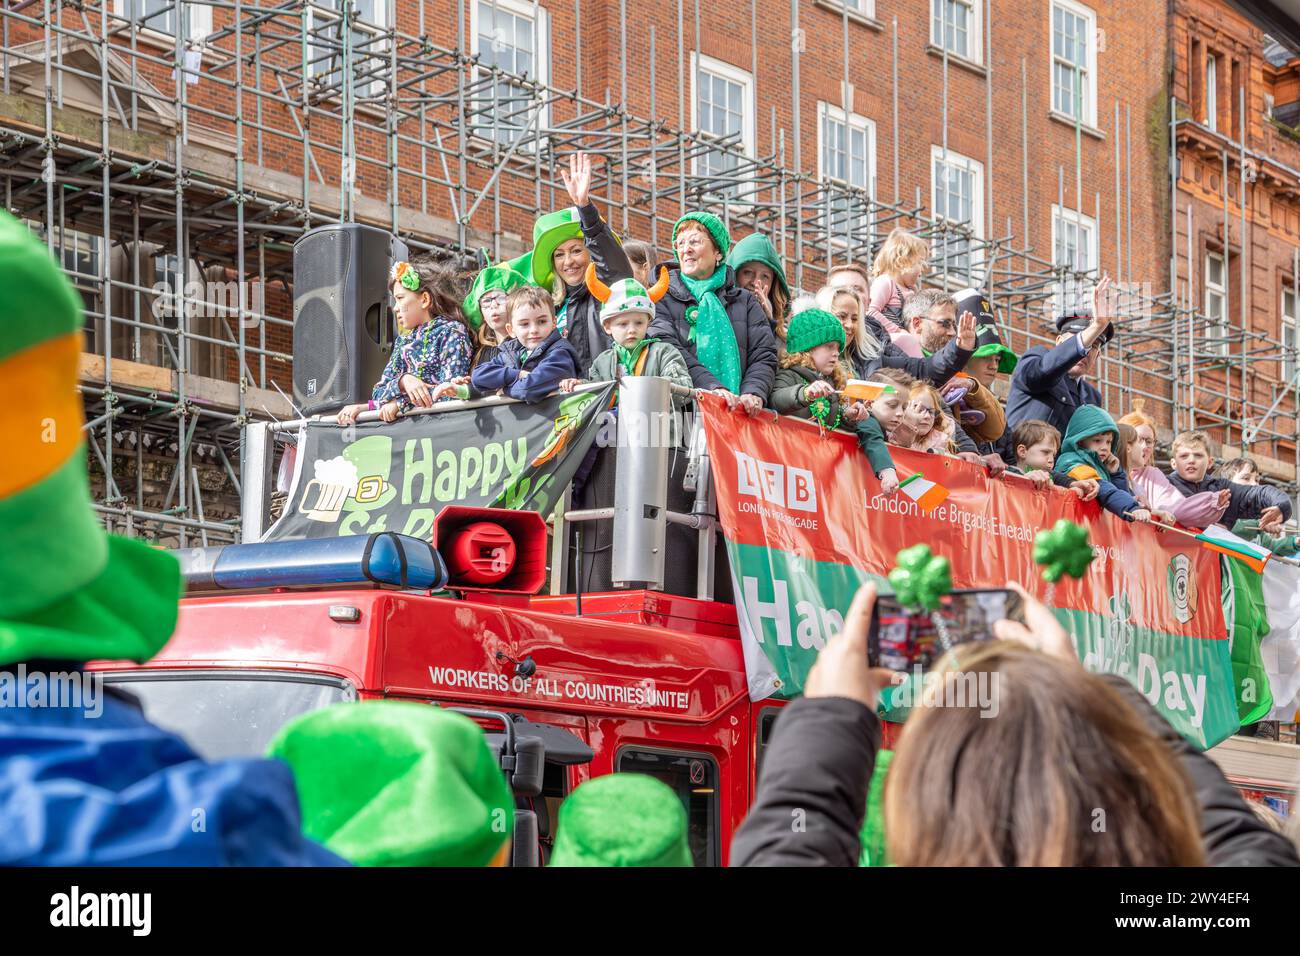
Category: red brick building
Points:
column 1029, row 141
column 1237, row 235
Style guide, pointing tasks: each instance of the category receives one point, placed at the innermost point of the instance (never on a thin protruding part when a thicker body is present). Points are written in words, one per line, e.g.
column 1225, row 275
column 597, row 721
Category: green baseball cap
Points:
column 396, row 783
column 622, row 819
column 988, row 341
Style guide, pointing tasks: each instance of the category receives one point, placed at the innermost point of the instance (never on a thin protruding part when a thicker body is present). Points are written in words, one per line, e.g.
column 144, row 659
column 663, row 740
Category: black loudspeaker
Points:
column 343, row 327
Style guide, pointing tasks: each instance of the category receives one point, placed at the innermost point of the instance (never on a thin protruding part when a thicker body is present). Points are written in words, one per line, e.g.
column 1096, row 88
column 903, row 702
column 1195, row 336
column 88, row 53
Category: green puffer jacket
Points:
column 788, row 395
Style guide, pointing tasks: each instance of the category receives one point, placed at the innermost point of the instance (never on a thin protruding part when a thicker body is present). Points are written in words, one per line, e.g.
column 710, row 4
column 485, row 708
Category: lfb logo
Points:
column 782, row 485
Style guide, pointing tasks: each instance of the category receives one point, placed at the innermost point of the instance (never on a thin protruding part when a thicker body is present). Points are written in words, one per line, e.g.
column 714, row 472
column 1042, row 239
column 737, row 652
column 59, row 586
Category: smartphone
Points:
column 902, row 639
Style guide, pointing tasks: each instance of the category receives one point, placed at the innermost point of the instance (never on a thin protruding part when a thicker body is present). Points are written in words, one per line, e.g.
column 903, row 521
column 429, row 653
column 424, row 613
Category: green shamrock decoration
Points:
column 921, row 579
column 1063, row 550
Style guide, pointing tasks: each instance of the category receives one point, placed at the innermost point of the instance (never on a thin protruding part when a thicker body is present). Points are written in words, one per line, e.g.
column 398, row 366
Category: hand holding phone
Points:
column 902, row 639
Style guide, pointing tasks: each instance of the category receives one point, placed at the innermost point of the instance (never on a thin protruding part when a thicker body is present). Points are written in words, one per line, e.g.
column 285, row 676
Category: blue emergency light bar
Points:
column 384, row 558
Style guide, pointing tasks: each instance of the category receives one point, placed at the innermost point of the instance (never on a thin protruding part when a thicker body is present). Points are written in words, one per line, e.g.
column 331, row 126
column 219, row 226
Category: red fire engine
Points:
column 568, row 686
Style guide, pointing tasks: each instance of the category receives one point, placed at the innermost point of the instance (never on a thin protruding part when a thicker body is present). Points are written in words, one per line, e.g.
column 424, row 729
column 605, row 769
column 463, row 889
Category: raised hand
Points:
column 966, row 332
column 1105, row 302
column 577, row 178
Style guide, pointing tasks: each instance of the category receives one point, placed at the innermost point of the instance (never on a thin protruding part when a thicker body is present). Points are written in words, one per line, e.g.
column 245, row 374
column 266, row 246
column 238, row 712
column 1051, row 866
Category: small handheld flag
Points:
column 859, row 390
column 927, row 494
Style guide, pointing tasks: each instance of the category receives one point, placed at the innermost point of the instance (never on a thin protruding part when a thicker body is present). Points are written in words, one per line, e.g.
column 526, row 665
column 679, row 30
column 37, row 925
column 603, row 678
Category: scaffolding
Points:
column 141, row 153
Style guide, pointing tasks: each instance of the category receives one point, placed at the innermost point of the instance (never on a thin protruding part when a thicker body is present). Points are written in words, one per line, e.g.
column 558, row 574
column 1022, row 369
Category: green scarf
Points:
column 711, row 331
column 627, row 357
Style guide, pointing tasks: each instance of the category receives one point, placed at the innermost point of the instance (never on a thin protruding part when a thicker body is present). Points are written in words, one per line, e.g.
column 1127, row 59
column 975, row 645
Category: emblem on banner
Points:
column 1182, row 588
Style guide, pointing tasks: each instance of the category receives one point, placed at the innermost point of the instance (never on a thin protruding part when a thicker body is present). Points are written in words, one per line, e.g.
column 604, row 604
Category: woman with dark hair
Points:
column 1054, row 766
column 564, row 243
column 758, row 269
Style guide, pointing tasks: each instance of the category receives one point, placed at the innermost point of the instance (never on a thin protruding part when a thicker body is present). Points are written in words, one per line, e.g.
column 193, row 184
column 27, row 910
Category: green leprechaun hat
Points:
column 548, row 232
column 505, row 276
column 625, row 295
column 396, row 783
column 68, row 590
column 622, row 819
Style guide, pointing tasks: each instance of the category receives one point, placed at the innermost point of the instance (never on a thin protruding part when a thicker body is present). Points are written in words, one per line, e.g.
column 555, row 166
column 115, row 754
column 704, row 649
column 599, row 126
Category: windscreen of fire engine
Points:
column 694, row 778
column 228, row 714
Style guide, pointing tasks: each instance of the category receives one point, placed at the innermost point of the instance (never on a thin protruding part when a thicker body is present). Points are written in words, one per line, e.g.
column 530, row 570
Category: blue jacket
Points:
column 111, row 789
column 1039, row 386
column 547, row 365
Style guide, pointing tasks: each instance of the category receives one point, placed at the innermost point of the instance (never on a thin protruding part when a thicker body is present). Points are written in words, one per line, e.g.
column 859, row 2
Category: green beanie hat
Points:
column 505, row 276
column 622, row 819
column 68, row 591
column 811, row 328
column 718, row 232
column 548, row 233
column 395, row 783
column 873, row 824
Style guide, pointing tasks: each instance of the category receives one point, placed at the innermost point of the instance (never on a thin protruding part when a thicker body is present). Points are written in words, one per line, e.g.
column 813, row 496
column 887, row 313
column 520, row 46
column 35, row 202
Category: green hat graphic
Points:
column 68, row 590
column 622, row 819
column 395, row 783
column 505, row 276
column 811, row 328
column 548, row 232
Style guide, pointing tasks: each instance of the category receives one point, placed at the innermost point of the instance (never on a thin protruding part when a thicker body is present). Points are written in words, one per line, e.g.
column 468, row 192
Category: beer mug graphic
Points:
column 327, row 503
column 324, row 495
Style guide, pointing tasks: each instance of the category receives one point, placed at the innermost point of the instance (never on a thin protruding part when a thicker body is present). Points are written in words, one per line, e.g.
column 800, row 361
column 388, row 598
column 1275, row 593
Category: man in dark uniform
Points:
column 1049, row 384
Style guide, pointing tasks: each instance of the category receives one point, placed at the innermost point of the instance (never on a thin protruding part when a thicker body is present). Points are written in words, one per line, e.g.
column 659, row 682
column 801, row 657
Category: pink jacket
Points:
column 886, row 294
column 1153, row 487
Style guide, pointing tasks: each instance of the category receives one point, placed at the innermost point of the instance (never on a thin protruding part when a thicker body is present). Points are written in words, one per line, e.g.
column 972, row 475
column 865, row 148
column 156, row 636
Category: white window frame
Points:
column 852, row 121
column 375, row 27
column 1216, row 330
column 977, row 225
column 732, row 74
column 1060, row 216
column 1212, row 92
column 1089, row 117
column 541, row 51
column 1287, row 330
column 200, row 22
column 866, row 8
column 975, row 33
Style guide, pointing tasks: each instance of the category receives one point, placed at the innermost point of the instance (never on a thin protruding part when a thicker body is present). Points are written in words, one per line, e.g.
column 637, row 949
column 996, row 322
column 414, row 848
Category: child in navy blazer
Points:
column 532, row 363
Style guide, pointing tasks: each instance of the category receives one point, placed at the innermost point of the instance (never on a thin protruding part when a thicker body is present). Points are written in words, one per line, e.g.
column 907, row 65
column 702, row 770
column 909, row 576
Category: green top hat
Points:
column 68, row 591
column 395, row 783
column 988, row 341
column 548, row 233
column 811, row 328
column 505, row 276
column 622, row 819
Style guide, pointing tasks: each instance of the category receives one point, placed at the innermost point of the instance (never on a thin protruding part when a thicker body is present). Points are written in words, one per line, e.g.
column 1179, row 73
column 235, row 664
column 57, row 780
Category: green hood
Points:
column 1088, row 420
column 756, row 247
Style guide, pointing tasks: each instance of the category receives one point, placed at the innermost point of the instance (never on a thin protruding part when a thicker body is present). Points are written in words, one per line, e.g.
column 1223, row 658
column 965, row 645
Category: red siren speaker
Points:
column 492, row 549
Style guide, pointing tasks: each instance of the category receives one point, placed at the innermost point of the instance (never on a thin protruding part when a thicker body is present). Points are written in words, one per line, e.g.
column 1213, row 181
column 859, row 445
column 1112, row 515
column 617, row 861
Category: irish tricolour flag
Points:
column 1261, row 607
